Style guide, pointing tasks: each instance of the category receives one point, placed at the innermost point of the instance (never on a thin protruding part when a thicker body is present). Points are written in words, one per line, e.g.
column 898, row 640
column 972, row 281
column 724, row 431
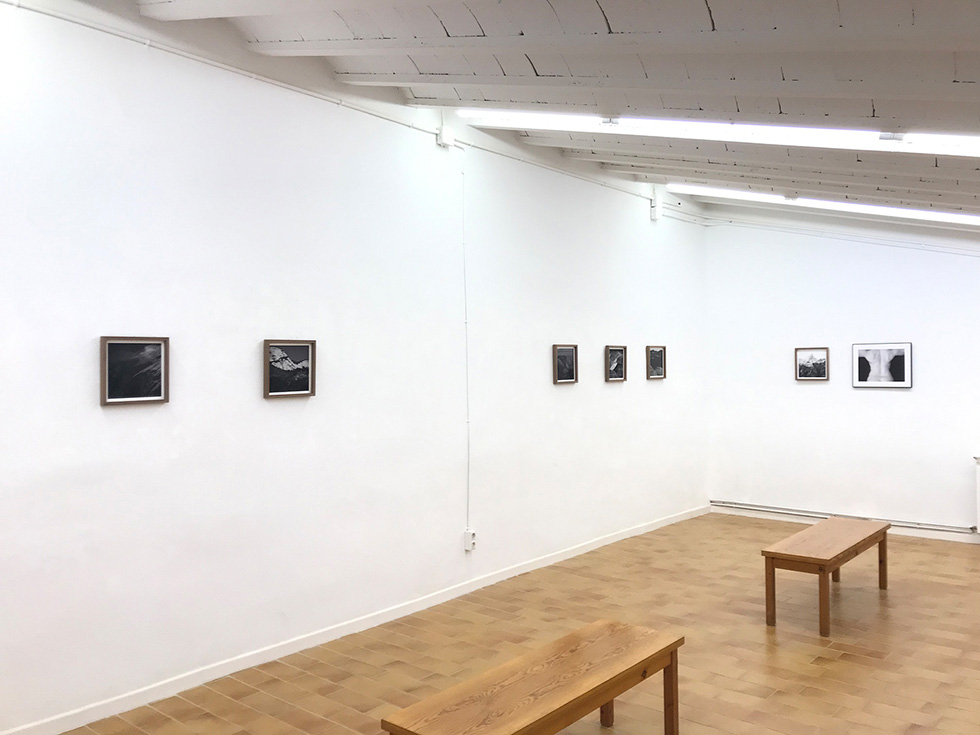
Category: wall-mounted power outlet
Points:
column 469, row 539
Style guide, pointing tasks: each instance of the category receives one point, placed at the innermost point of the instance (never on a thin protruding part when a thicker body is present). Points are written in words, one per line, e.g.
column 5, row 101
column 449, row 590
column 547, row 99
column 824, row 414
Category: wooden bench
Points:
column 821, row 549
column 546, row 690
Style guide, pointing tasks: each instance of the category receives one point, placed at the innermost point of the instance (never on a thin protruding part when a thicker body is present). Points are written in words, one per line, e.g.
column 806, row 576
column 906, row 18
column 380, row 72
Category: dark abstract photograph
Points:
column 615, row 363
column 564, row 363
column 656, row 362
column 134, row 370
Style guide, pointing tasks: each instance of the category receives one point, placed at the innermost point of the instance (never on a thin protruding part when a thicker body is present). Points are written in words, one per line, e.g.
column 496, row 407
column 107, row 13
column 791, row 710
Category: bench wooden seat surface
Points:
column 828, row 541
column 821, row 549
column 551, row 687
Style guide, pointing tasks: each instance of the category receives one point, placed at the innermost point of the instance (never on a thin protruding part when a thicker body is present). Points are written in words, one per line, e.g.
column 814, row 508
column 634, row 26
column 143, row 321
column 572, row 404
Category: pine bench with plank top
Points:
column 549, row 688
column 821, row 549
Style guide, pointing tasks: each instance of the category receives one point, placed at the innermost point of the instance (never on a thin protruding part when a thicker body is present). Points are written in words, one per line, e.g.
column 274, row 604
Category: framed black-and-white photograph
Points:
column 656, row 362
column 564, row 363
column 812, row 363
column 615, row 363
column 290, row 368
column 882, row 365
column 134, row 370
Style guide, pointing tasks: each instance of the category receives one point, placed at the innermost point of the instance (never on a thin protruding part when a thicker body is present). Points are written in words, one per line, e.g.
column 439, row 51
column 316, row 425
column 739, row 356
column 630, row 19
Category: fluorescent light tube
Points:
column 782, row 135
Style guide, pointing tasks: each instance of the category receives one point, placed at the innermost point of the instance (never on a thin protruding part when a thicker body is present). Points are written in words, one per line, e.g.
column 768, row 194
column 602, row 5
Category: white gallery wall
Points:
column 145, row 548
column 145, row 194
column 828, row 447
column 590, row 269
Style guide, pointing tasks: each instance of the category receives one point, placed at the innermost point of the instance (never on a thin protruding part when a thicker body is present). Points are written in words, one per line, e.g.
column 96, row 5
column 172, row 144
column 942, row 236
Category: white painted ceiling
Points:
column 895, row 66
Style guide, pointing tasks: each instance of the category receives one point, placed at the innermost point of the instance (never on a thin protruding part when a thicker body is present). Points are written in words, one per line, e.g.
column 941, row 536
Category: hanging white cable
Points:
column 466, row 327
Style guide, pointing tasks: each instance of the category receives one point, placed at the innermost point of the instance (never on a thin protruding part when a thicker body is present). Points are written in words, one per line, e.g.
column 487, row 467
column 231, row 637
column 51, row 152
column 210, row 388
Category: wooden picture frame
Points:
column 289, row 368
column 134, row 370
column 812, row 363
column 564, row 363
column 656, row 362
column 615, row 363
column 881, row 365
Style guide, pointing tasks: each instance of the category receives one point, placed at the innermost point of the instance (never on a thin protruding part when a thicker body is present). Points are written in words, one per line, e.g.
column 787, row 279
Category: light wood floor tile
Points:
column 901, row 661
column 113, row 726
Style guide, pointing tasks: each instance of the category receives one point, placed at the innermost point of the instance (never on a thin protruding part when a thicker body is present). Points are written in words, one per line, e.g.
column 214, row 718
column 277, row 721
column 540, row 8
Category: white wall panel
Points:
column 556, row 260
column 826, row 446
column 146, row 194
column 158, row 546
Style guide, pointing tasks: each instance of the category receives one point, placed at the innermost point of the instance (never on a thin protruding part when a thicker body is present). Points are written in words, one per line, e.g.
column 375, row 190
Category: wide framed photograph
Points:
column 289, row 368
column 564, row 363
column 656, row 362
column 812, row 363
column 881, row 365
column 134, row 370
column 615, row 363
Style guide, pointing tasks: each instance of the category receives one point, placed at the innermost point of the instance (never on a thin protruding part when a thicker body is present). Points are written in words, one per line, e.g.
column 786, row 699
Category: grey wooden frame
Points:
column 554, row 363
column 266, row 365
column 796, row 362
column 650, row 375
column 608, row 371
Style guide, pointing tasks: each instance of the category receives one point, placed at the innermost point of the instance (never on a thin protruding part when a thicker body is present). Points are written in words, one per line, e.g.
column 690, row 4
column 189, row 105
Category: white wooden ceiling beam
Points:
column 964, row 120
column 927, row 166
column 736, row 44
column 203, row 9
column 959, row 198
column 881, row 199
column 968, row 111
column 815, row 171
column 962, row 173
column 893, row 89
column 823, row 179
column 808, row 187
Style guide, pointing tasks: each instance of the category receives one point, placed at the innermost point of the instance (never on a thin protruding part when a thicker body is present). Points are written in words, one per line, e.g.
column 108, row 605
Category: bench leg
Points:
column 606, row 714
column 770, row 591
column 835, row 575
column 883, row 563
column 824, row 602
column 672, row 719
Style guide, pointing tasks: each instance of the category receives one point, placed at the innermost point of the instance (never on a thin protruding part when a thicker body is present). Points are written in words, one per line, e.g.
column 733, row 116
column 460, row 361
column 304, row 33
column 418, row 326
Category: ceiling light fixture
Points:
column 936, row 144
column 873, row 210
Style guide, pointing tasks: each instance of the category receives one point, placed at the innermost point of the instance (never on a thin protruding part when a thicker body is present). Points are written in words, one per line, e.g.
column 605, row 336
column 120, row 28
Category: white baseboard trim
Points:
column 169, row 687
column 788, row 514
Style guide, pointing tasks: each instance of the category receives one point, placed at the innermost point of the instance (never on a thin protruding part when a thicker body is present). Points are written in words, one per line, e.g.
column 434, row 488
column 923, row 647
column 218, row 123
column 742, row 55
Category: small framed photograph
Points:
column 882, row 365
column 134, row 370
column 812, row 363
column 656, row 362
column 290, row 368
column 564, row 363
column 615, row 363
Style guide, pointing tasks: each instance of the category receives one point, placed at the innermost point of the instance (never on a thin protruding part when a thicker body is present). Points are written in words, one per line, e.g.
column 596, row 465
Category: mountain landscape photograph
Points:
column 811, row 364
column 289, row 369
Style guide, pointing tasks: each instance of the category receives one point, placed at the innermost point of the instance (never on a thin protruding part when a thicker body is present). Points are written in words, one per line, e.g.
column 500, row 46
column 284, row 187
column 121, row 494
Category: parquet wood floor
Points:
column 901, row 661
